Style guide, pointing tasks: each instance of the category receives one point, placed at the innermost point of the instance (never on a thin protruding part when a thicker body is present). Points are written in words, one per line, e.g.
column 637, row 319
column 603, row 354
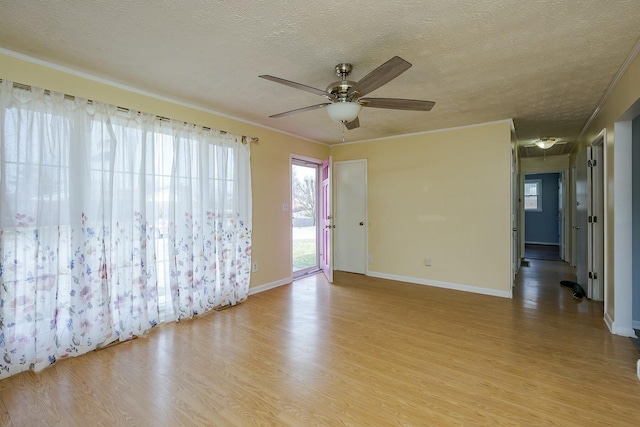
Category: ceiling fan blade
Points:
column 299, row 86
column 300, row 110
column 398, row 104
column 380, row 76
column 353, row 124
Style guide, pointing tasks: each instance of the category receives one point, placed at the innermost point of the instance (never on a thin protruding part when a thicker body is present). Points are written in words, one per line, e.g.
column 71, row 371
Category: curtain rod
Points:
column 245, row 138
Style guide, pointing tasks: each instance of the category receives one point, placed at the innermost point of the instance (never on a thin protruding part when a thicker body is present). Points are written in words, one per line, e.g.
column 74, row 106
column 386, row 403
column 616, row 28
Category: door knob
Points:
column 361, row 223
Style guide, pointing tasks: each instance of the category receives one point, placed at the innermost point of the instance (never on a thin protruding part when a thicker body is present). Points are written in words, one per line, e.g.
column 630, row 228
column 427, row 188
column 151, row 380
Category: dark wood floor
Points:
column 550, row 252
column 361, row 351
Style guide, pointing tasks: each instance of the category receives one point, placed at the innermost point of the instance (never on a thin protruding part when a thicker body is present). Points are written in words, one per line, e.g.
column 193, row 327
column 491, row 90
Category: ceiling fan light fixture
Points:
column 344, row 112
column 545, row 143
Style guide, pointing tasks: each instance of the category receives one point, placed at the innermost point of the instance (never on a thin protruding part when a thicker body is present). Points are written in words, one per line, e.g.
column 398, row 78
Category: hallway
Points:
column 538, row 286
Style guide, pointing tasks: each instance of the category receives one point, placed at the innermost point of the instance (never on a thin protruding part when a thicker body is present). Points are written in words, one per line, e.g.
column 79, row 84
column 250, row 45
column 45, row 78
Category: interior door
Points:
column 574, row 219
column 326, row 255
column 581, row 229
column 515, row 211
column 595, row 222
column 589, row 227
column 350, row 216
column 561, row 215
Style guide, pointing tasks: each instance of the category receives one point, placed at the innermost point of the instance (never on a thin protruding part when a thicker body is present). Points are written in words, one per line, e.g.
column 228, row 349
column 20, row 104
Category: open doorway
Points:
column 304, row 221
column 543, row 216
column 619, row 305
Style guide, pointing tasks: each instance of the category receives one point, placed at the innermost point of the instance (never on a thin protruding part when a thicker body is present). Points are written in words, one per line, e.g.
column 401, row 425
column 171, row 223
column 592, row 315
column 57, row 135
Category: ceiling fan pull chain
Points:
column 344, row 125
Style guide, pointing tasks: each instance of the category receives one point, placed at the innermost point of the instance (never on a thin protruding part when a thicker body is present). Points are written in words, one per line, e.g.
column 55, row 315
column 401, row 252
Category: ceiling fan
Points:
column 544, row 143
column 345, row 96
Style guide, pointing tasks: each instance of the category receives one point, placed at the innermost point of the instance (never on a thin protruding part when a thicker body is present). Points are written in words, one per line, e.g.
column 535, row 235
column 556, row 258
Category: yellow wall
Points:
column 442, row 195
column 623, row 96
column 269, row 157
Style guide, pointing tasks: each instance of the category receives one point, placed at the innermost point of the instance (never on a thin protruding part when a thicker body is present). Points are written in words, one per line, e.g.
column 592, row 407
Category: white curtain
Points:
column 111, row 223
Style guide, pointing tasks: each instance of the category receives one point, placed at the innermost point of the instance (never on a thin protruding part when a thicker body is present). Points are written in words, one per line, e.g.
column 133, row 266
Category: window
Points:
column 110, row 223
column 533, row 195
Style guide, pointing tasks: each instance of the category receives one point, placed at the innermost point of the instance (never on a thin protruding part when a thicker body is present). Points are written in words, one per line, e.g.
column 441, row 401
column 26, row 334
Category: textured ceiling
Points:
column 546, row 64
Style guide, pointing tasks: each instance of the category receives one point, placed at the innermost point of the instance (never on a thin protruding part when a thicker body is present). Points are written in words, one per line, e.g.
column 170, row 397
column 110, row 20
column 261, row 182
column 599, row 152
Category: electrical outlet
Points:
column 369, row 258
column 255, row 267
column 427, row 262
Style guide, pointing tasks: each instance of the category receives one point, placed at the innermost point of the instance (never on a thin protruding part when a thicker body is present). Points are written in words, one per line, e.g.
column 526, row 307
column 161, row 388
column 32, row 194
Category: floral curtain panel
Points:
column 111, row 223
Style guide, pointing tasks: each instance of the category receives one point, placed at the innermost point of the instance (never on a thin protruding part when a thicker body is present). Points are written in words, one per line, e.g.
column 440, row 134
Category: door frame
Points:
column 581, row 188
column 565, row 208
column 574, row 218
column 596, row 196
column 309, row 161
column 619, row 315
column 515, row 216
column 326, row 214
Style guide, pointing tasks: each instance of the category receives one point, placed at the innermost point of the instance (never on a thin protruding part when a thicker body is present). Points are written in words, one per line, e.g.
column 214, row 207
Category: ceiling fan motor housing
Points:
column 340, row 88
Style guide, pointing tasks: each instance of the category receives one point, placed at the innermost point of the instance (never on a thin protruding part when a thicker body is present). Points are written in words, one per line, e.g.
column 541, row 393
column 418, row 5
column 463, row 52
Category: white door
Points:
column 574, row 219
column 326, row 223
column 515, row 211
column 590, row 219
column 581, row 229
column 561, row 215
column 350, row 237
column 596, row 222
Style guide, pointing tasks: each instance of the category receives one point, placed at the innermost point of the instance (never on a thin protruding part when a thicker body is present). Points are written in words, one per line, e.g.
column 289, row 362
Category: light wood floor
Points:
column 362, row 351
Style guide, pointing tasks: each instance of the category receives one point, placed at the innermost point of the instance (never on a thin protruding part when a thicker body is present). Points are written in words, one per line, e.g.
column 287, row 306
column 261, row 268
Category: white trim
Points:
column 600, row 140
column 405, row 135
column 623, row 330
column 608, row 322
column 635, row 324
column 445, row 285
column 622, row 218
column 541, row 243
column 318, row 164
column 261, row 288
column 514, row 135
column 112, row 83
column 616, row 79
column 304, row 159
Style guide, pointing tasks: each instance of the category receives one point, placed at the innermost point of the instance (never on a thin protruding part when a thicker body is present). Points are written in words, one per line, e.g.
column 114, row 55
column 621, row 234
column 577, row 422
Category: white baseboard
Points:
column 625, row 331
column 446, row 285
column 261, row 288
column 608, row 322
column 541, row 243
